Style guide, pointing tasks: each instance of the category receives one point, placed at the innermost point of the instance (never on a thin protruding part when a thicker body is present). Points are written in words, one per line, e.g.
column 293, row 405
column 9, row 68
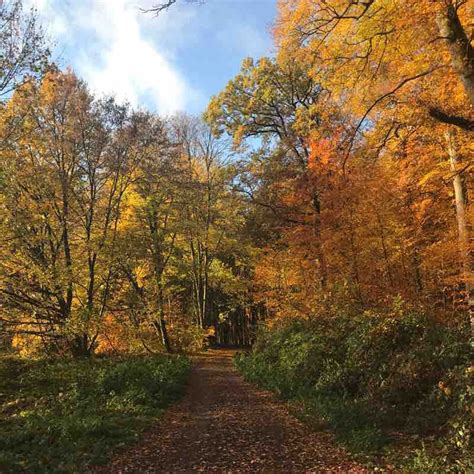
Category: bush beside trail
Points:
column 373, row 379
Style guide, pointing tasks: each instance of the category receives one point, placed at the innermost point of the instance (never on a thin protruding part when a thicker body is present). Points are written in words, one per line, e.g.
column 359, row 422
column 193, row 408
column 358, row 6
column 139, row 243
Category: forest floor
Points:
column 225, row 425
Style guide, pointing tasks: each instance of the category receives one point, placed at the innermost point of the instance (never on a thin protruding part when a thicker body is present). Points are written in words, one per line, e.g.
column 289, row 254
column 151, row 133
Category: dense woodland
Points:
column 320, row 206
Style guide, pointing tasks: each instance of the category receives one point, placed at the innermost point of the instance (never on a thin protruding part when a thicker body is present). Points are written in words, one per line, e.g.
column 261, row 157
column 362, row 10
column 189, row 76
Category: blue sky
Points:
column 166, row 64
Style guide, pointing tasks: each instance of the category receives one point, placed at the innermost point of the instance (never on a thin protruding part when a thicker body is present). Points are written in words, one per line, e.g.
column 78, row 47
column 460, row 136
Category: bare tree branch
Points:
column 161, row 7
column 458, row 121
column 157, row 9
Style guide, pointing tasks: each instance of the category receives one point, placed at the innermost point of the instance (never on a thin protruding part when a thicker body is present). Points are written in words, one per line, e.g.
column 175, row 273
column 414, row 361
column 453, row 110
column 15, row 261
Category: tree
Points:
column 278, row 101
column 393, row 74
column 371, row 55
column 210, row 210
column 150, row 232
column 23, row 52
column 464, row 230
column 65, row 179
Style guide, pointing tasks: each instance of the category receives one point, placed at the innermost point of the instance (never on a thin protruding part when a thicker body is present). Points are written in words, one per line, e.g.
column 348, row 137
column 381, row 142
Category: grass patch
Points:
column 65, row 415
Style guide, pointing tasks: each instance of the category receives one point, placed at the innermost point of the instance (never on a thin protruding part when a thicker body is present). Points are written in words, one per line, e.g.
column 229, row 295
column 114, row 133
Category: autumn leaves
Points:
column 355, row 171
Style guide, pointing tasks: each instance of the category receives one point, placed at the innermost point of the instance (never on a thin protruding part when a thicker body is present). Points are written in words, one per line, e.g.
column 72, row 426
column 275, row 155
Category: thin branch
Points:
column 376, row 102
column 161, row 7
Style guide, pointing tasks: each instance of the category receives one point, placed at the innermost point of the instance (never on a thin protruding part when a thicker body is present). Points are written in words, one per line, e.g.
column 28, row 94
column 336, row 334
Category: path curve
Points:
column 225, row 425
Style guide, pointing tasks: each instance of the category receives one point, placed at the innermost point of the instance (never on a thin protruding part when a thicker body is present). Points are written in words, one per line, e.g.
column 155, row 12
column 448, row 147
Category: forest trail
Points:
column 225, row 425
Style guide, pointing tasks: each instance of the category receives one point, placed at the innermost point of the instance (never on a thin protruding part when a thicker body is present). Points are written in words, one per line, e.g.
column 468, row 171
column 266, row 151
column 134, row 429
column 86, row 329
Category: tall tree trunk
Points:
column 464, row 230
column 416, row 262
column 354, row 255
column 386, row 258
column 318, row 240
column 205, row 285
column 161, row 323
column 197, row 282
column 67, row 251
column 460, row 49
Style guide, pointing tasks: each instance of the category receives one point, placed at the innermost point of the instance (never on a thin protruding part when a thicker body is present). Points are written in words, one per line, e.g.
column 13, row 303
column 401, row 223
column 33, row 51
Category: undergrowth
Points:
column 372, row 379
column 65, row 415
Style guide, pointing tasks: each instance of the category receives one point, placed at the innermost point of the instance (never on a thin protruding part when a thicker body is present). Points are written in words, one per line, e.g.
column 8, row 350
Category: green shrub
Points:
column 370, row 375
column 64, row 415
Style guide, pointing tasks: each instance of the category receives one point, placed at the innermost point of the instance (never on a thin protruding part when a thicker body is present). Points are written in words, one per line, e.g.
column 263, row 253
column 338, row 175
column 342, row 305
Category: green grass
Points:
column 60, row 416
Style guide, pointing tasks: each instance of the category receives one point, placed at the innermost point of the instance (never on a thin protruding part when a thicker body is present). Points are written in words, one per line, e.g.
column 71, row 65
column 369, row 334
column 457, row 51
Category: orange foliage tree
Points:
column 366, row 178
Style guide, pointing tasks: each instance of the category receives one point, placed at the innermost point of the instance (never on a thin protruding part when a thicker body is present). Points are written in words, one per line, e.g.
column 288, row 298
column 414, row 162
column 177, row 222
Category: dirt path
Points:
column 225, row 425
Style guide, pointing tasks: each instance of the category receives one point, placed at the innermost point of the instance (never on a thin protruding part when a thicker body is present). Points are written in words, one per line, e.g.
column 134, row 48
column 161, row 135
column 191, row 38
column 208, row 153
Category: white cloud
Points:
column 142, row 59
column 114, row 54
column 132, row 67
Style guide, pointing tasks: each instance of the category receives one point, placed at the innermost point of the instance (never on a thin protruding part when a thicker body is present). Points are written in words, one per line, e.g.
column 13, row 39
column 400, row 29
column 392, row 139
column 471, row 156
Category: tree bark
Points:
column 161, row 314
column 464, row 230
column 459, row 46
column 316, row 203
